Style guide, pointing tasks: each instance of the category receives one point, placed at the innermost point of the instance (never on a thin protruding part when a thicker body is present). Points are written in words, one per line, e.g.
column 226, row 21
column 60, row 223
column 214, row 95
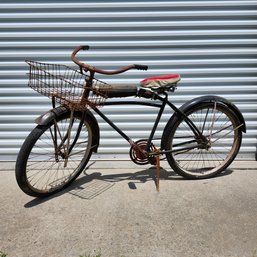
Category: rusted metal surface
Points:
column 67, row 86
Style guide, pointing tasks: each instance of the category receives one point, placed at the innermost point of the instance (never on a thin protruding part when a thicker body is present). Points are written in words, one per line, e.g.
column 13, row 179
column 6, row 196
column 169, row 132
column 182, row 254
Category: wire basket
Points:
column 66, row 85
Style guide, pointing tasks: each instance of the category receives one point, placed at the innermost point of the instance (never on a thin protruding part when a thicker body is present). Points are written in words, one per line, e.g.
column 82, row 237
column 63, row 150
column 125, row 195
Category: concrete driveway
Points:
column 116, row 211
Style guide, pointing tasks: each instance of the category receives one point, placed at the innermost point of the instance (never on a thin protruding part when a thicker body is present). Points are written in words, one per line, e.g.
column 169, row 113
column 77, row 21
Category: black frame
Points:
column 164, row 101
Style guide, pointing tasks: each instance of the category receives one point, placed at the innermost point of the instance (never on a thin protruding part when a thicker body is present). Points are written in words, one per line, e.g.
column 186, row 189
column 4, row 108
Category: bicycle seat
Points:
column 164, row 82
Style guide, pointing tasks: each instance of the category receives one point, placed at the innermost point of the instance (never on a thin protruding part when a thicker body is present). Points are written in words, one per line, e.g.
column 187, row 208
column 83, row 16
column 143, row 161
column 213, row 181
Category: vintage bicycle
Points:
column 200, row 140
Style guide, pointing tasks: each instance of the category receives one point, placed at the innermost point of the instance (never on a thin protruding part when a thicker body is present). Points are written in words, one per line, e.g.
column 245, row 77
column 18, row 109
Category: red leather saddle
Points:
column 160, row 81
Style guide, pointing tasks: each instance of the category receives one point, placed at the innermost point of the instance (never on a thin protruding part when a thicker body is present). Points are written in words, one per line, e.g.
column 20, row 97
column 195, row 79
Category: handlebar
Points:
column 90, row 68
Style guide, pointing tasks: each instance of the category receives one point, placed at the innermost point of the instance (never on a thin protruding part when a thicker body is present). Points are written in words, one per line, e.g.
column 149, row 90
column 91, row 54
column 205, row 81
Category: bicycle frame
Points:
column 164, row 102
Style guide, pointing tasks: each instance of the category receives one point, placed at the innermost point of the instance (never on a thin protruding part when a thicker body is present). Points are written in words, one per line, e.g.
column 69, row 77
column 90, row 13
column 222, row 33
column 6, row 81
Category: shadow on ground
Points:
column 91, row 185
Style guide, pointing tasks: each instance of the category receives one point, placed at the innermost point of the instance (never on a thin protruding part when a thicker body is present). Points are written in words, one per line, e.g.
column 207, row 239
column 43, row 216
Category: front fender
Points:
column 50, row 115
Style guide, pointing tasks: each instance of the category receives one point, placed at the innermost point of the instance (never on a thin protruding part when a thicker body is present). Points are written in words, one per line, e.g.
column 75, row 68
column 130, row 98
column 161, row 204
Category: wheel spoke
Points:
column 191, row 159
column 46, row 169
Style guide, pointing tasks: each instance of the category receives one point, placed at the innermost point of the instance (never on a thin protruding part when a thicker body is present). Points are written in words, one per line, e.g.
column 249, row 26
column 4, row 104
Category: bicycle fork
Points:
column 64, row 149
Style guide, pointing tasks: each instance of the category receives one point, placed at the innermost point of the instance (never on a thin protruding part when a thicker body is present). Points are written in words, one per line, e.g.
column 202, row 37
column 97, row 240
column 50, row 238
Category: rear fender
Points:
column 50, row 115
column 219, row 99
column 204, row 99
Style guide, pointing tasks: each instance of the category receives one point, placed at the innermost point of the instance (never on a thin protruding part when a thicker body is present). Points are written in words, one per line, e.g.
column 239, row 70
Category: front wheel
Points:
column 192, row 159
column 53, row 155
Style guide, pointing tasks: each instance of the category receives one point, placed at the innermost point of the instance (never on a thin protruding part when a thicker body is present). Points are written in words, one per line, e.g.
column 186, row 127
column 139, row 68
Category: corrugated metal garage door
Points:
column 212, row 44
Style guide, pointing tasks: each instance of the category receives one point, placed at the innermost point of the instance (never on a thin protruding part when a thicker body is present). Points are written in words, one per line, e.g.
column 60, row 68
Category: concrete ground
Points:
column 116, row 211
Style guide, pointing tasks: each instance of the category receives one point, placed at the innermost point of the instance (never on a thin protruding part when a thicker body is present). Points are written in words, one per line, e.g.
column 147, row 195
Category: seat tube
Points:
column 164, row 102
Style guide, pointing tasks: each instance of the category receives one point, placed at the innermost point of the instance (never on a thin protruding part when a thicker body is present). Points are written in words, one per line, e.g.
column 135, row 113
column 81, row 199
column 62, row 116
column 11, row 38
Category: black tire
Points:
column 40, row 170
column 221, row 127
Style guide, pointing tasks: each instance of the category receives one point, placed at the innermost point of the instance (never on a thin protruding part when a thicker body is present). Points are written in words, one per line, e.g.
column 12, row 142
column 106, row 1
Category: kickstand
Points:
column 158, row 168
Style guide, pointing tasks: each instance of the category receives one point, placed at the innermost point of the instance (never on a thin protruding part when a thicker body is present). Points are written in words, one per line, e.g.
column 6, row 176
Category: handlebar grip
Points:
column 85, row 47
column 141, row 67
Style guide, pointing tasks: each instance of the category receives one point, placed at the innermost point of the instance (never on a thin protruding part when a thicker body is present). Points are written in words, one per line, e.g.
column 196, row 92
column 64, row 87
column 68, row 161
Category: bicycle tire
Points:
column 39, row 170
column 222, row 128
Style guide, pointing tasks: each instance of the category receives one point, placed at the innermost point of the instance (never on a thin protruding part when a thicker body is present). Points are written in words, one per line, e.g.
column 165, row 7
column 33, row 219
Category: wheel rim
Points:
column 221, row 131
column 47, row 170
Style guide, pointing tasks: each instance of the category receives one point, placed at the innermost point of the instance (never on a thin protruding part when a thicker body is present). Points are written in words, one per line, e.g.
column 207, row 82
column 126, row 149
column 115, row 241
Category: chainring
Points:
column 137, row 152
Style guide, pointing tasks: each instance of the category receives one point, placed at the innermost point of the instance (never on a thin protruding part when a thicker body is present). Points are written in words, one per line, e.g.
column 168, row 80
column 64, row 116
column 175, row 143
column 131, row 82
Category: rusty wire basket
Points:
column 66, row 85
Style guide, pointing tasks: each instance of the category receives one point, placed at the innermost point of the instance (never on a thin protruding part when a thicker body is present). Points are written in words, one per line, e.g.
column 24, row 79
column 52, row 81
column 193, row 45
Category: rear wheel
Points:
column 188, row 156
column 50, row 158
